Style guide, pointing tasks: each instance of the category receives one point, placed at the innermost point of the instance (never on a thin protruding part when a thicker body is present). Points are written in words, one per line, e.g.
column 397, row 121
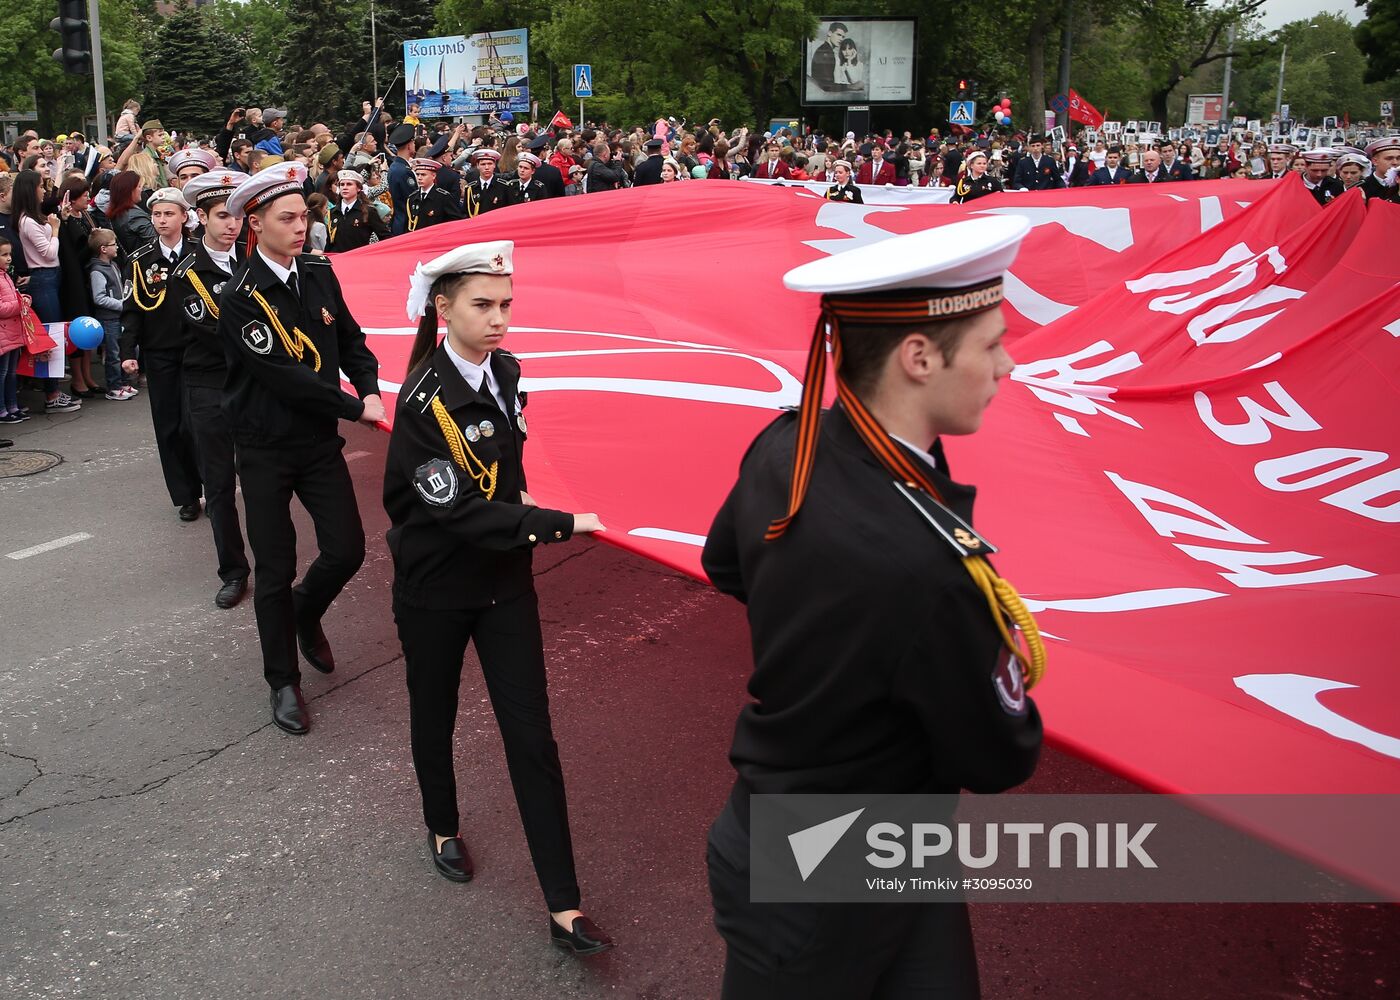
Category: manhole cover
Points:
column 26, row 463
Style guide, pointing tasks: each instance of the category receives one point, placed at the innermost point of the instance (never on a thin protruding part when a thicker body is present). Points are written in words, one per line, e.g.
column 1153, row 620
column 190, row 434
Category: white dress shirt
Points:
column 474, row 374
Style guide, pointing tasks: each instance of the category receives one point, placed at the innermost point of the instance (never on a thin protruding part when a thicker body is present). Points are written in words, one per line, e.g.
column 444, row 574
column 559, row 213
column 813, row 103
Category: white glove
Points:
column 1391, row 176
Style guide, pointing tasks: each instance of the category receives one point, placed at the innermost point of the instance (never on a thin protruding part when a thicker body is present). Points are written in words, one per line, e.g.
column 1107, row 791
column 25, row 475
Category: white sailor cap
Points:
column 495, row 257
column 530, row 158
column 1286, row 148
column 192, row 157
column 1344, row 150
column 266, row 186
column 345, row 174
column 169, row 194
column 1319, row 156
column 1359, row 159
column 425, row 163
column 948, row 261
column 974, row 154
column 1383, row 144
column 216, row 185
column 484, row 152
column 842, row 163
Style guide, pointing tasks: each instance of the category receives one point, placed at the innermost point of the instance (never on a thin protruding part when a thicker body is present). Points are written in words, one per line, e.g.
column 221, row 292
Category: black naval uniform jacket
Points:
column 428, row 208
column 1372, row 187
column 357, row 228
column 877, row 664
column 162, row 329
column 452, row 547
column 1036, row 175
column 845, row 192
column 204, row 363
column 1326, row 189
column 971, row 188
column 534, row 191
column 270, row 397
column 497, row 195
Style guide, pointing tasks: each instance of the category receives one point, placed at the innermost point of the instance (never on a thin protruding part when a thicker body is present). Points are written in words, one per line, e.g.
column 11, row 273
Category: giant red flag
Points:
column 1191, row 473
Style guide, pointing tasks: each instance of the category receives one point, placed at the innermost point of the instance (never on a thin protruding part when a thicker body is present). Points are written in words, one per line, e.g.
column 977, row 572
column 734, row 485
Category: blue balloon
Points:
column 86, row 333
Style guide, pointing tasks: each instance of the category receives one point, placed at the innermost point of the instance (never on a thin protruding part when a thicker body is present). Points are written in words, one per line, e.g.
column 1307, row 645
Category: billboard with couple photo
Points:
column 859, row 60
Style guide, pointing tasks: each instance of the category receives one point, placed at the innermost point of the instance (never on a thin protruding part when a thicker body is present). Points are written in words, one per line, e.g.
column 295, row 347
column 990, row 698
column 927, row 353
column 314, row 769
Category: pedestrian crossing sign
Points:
column 583, row 80
column 962, row 112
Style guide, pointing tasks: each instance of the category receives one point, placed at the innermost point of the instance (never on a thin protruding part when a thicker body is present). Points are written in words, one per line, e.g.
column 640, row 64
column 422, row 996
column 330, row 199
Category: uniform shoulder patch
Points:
column 315, row 257
column 436, row 482
column 424, row 390
column 257, row 337
column 184, row 265
column 141, row 251
column 1007, row 682
column 947, row 525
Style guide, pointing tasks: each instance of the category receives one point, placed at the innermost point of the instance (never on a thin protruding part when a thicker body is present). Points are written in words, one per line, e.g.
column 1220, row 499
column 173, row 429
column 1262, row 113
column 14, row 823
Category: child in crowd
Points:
column 11, row 339
column 106, row 283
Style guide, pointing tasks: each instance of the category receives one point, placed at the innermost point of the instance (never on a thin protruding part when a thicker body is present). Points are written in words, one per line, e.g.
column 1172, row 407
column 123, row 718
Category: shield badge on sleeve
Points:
column 1006, row 679
column 437, row 482
column 194, row 307
column 257, row 337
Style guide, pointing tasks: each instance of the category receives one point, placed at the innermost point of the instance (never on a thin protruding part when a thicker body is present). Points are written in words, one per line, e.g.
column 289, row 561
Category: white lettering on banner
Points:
column 1334, row 463
column 1211, row 327
column 1295, row 695
column 1059, row 382
column 1244, row 571
column 1393, row 329
column 1255, row 429
column 1186, row 517
column 1277, row 473
column 849, row 219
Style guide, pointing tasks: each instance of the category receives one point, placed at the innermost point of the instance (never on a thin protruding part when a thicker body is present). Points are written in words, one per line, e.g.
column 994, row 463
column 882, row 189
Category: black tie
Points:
column 292, row 284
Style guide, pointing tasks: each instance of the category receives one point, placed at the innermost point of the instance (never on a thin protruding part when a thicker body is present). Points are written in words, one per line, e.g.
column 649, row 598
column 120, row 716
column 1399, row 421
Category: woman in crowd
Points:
column 38, row 232
column 77, row 221
column 670, row 170
column 130, row 220
column 317, row 234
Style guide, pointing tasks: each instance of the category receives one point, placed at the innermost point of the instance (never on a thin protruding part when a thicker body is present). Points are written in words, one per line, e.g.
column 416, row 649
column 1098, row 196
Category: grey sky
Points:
column 1277, row 13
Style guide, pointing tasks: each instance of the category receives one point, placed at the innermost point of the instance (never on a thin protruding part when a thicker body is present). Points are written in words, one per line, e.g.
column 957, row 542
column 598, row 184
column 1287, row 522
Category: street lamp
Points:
column 1278, row 104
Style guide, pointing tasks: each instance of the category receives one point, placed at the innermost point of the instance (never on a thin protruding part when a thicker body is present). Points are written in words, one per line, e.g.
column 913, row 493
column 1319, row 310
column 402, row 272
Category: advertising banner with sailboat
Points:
column 468, row 74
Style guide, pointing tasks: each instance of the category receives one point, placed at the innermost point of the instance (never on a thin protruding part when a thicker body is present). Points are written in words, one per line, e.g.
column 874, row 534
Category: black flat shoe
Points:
column 231, row 593
column 586, row 938
column 313, row 644
column 289, row 711
column 6, row 443
column 190, row 511
column 453, row 861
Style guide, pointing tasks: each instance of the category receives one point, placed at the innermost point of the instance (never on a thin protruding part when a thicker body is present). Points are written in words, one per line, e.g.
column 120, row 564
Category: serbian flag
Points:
column 1081, row 110
column 560, row 120
column 1191, row 474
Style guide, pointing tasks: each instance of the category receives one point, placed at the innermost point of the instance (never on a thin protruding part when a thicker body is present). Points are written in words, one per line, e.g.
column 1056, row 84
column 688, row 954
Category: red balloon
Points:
column 1006, row 103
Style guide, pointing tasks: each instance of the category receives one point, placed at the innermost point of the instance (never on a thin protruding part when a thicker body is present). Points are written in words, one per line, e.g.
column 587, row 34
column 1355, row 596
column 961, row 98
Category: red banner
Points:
column 1081, row 110
column 1190, row 474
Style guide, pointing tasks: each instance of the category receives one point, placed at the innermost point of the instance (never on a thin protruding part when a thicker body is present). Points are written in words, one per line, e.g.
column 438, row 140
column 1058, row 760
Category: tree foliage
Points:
column 196, row 76
column 1378, row 38
column 324, row 60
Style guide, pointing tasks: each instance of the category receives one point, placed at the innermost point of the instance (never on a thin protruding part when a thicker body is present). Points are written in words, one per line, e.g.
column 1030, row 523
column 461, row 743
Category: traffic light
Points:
column 963, row 86
column 71, row 24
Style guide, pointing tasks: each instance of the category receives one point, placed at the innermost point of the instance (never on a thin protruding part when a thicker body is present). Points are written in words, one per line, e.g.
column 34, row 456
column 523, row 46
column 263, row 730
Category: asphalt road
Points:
column 160, row 838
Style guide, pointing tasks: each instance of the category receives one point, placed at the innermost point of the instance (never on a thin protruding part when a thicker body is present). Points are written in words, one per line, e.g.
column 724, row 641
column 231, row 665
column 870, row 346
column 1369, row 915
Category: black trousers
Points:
column 214, row 453
column 317, row 475
column 832, row 951
column 511, row 650
column 174, row 440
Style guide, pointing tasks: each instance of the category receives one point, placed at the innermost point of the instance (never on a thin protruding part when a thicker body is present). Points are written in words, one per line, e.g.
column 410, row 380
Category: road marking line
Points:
column 57, row 543
column 355, row 454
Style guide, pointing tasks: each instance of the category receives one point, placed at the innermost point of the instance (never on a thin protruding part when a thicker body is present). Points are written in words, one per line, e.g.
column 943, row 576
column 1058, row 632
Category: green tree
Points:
column 397, row 21
column 255, row 30
column 1378, row 37
column 62, row 99
column 195, row 76
column 324, row 60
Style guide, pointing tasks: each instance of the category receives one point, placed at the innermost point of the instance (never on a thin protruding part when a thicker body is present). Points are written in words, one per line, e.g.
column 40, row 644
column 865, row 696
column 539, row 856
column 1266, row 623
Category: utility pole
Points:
column 1225, row 115
column 99, row 89
column 1278, row 104
column 374, row 52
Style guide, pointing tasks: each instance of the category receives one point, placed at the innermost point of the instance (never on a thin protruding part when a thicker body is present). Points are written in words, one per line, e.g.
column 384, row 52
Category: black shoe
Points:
column 289, row 711
column 452, row 862
column 5, row 443
column 586, row 938
column 231, row 592
column 311, row 639
column 190, row 512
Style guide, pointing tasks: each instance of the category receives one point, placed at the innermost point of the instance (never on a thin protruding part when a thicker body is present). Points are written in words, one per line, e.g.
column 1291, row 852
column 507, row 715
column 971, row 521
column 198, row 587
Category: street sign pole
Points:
column 99, row 90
